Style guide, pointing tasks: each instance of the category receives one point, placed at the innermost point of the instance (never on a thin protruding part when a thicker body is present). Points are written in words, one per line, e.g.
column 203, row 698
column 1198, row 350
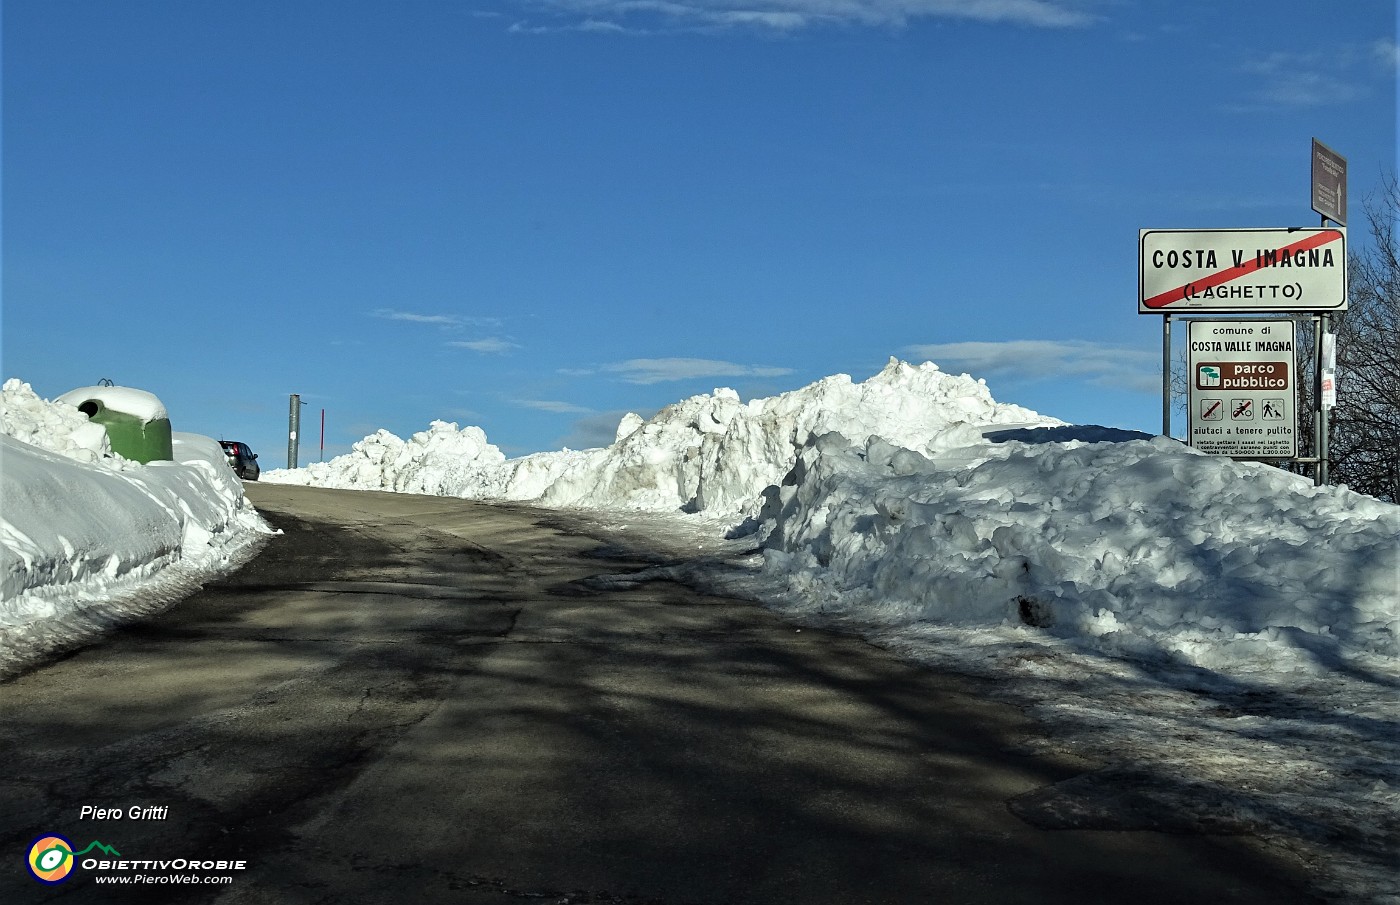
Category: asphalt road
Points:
column 412, row 699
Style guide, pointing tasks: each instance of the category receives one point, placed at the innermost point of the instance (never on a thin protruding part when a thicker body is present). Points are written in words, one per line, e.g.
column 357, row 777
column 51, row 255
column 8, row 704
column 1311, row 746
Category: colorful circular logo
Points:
column 51, row 859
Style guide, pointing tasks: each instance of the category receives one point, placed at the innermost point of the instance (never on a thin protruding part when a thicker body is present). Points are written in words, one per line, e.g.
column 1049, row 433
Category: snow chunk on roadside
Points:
column 1143, row 547
column 55, row 426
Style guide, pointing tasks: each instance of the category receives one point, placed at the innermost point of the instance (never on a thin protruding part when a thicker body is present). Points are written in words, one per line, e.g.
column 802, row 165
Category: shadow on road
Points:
column 424, row 701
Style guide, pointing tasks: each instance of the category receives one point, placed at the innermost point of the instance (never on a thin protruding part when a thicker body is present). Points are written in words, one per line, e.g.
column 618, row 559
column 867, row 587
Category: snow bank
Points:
column 442, row 460
column 1142, row 547
column 710, row 453
column 715, row 454
column 81, row 526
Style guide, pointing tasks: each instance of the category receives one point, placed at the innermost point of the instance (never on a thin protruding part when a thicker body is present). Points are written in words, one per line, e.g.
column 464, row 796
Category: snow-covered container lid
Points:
column 127, row 400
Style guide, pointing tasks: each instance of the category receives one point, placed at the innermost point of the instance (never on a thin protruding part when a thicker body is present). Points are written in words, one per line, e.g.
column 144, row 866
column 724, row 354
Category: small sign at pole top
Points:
column 1329, row 183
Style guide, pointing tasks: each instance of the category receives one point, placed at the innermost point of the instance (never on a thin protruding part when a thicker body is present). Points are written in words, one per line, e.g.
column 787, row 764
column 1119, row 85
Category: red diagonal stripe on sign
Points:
column 1234, row 273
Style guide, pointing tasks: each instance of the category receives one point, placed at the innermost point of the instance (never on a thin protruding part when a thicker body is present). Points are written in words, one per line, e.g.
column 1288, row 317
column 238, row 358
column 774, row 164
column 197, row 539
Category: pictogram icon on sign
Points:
column 1209, row 376
column 1241, row 409
column 1212, row 409
column 1271, row 410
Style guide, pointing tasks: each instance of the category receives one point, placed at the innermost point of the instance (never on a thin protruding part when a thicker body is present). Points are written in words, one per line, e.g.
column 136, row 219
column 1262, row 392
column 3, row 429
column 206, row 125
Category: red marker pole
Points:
column 323, row 435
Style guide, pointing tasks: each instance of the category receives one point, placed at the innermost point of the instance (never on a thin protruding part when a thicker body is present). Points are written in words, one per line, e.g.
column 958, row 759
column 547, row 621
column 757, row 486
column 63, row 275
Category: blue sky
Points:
column 534, row 216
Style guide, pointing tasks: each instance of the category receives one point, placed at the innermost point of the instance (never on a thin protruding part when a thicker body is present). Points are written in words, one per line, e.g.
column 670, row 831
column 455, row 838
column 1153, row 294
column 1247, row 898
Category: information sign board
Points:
column 1242, row 270
column 1329, row 183
column 1243, row 389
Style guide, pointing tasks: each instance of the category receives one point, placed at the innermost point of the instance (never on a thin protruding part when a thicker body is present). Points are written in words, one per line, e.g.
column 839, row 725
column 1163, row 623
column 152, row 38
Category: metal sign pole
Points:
column 1329, row 200
column 1323, row 327
column 293, row 424
column 1166, row 375
column 1320, row 475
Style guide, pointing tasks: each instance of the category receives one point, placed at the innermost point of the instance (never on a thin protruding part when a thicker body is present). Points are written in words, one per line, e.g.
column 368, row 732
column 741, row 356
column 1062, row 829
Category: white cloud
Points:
column 651, row 16
column 660, row 370
column 437, row 320
column 441, row 320
column 600, row 25
column 1306, row 89
column 1318, row 78
column 489, row 346
column 778, row 21
column 546, row 405
column 1387, row 53
column 1097, row 363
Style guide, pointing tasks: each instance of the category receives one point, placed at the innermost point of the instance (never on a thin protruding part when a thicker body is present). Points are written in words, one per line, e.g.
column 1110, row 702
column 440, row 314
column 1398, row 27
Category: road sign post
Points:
column 1232, row 391
column 1329, row 199
column 1166, row 376
column 293, row 429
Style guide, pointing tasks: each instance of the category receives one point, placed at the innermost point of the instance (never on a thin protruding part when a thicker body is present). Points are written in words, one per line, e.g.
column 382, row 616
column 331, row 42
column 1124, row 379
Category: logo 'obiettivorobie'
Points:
column 51, row 857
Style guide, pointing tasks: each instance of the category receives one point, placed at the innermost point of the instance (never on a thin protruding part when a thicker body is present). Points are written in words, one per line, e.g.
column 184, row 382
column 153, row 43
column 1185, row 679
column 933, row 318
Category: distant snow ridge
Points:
column 710, row 453
column 442, row 460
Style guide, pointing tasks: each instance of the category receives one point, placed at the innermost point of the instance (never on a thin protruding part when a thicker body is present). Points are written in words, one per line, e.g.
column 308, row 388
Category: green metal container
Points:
column 138, row 427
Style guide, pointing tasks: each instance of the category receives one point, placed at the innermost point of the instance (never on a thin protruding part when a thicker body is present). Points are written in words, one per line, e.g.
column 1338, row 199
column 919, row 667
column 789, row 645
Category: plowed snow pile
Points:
column 89, row 539
column 1142, row 547
column 710, row 453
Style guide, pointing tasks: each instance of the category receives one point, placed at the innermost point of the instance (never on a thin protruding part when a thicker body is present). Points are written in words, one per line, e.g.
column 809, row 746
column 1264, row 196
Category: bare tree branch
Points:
column 1364, row 446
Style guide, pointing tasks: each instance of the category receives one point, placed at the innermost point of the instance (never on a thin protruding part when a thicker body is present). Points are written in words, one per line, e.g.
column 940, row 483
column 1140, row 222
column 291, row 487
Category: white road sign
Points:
column 1243, row 389
column 1242, row 270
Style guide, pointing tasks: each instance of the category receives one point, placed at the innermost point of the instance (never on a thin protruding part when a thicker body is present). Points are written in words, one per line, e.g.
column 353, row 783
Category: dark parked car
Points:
column 241, row 459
